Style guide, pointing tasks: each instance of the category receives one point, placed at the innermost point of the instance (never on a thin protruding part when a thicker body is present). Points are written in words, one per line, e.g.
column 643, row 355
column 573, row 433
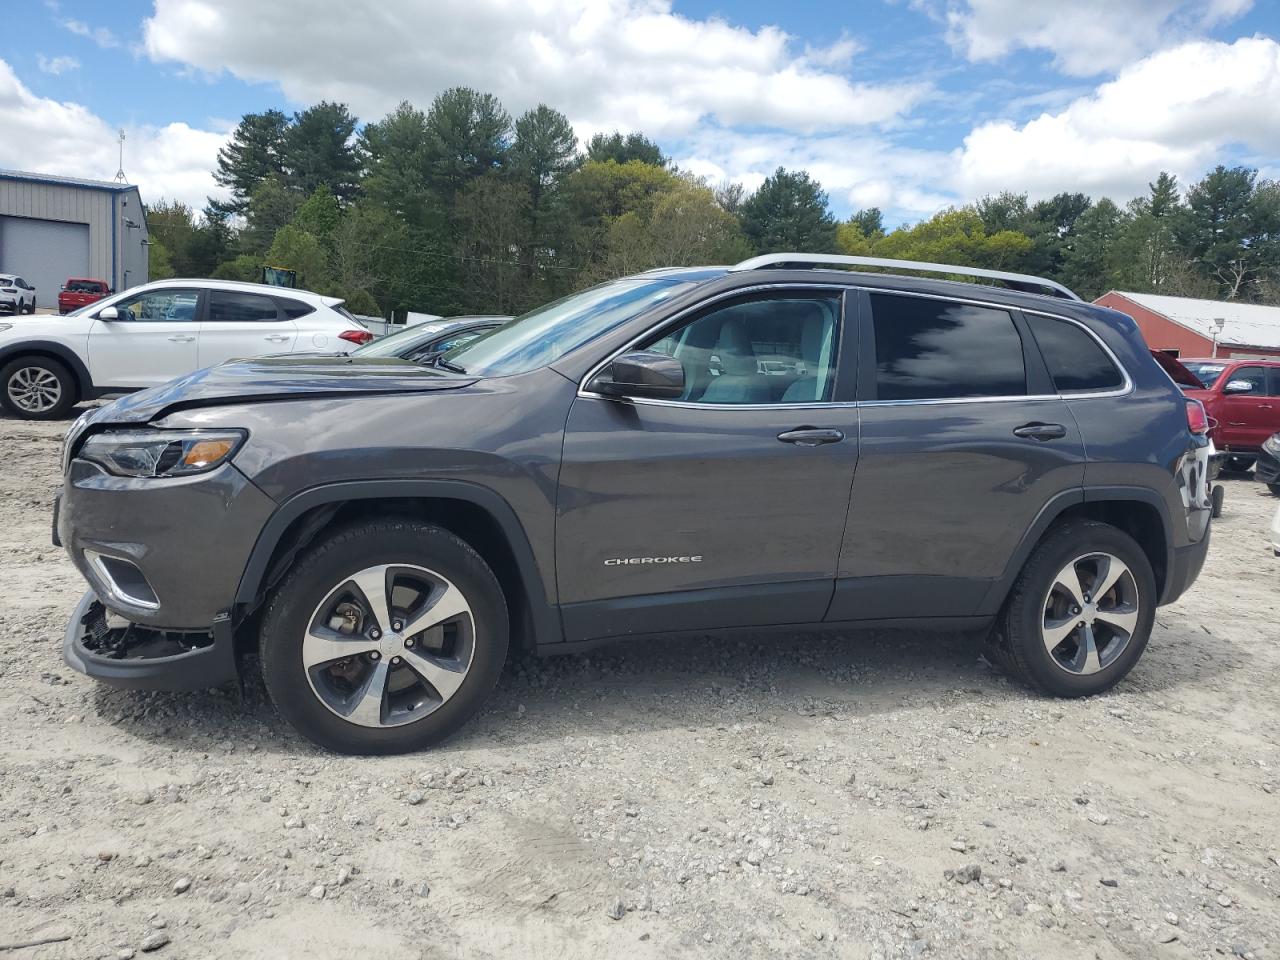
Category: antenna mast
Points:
column 120, row 177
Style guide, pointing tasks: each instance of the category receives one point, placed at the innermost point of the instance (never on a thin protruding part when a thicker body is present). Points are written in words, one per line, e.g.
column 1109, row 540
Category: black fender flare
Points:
column 546, row 618
column 60, row 351
column 1051, row 511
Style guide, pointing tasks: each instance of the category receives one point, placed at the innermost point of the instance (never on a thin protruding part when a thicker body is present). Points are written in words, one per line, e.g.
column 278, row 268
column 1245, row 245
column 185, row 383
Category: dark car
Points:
column 788, row 443
column 427, row 340
column 1268, row 468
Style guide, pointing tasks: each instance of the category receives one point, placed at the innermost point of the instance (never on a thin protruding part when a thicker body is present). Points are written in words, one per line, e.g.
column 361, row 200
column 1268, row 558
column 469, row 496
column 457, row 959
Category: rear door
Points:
column 964, row 440
column 152, row 340
column 241, row 324
column 711, row 510
column 1247, row 417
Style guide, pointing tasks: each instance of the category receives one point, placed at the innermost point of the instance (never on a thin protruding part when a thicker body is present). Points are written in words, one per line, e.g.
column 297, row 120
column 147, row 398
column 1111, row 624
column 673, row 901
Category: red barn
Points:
column 1186, row 327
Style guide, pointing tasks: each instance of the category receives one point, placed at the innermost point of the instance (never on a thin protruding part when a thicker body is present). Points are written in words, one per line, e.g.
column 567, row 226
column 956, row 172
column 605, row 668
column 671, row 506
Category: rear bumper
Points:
column 1187, row 562
column 155, row 664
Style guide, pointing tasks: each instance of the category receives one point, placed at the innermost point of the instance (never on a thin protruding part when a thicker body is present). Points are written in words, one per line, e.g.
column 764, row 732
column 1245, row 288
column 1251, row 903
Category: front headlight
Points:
column 161, row 453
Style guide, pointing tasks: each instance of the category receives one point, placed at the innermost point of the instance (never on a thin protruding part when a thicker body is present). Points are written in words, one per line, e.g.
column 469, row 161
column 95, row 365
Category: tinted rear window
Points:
column 293, row 309
column 938, row 350
column 225, row 305
column 1075, row 360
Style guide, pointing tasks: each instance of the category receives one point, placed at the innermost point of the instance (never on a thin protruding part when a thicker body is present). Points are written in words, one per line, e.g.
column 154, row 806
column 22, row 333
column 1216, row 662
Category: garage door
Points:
column 44, row 253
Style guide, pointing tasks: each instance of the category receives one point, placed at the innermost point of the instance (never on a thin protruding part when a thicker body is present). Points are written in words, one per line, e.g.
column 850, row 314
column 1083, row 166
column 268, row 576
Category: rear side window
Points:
column 228, row 306
column 1075, row 360
column 939, row 350
column 293, row 309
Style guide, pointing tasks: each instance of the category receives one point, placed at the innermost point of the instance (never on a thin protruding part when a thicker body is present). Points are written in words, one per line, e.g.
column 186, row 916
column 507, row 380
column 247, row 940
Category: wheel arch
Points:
column 477, row 514
column 1138, row 511
column 53, row 350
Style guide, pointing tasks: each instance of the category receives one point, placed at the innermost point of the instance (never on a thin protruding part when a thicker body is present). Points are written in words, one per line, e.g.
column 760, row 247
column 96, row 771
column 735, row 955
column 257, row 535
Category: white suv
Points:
column 150, row 334
column 16, row 295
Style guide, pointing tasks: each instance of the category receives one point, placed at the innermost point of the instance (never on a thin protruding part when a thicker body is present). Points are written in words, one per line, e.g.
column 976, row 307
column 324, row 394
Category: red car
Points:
column 1243, row 396
column 79, row 292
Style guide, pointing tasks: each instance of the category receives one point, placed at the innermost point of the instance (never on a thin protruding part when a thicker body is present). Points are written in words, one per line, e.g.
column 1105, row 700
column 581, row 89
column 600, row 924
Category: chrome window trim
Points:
column 1124, row 390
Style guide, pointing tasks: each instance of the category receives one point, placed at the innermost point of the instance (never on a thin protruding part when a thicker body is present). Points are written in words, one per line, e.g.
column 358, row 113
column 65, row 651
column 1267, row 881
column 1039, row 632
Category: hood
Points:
column 268, row 379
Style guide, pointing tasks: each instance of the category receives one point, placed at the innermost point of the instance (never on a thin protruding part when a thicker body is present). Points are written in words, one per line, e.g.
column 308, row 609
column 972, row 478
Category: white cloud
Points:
column 1087, row 37
column 632, row 64
column 56, row 65
column 99, row 35
column 49, row 136
column 1179, row 110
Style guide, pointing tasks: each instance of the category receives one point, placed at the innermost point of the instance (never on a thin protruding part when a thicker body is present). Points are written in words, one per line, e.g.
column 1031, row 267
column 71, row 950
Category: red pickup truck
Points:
column 79, row 292
column 1243, row 397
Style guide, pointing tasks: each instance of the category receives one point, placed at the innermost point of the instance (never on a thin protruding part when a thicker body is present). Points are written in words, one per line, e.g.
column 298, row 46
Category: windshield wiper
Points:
column 439, row 361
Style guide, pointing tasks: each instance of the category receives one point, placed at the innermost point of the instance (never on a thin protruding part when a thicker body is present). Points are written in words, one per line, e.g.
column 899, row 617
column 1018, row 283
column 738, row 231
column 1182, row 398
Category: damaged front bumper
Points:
column 123, row 654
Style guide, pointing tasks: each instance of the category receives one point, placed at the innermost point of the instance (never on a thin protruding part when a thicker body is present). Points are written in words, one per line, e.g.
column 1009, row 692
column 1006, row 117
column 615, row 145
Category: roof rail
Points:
column 1017, row 281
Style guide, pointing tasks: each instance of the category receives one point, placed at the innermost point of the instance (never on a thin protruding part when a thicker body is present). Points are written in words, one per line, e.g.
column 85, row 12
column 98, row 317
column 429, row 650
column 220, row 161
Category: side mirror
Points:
column 1238, row 386
column 642, row 374
column 108, row 313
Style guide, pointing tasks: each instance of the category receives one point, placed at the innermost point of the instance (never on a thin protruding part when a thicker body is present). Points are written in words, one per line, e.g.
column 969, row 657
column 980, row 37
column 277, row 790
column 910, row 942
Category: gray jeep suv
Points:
column 786, row 443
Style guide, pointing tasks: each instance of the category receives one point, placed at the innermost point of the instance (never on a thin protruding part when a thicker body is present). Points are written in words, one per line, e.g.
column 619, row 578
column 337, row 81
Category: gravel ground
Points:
column 881, row 795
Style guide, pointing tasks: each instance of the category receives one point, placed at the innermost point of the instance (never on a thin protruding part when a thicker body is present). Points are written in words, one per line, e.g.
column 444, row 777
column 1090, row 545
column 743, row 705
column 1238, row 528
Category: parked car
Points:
column 429, row 340
column 1268, row 469
column 16, row 295
column 1243, row 396
column 150, row 334
column 79, row 292
column 616, row 465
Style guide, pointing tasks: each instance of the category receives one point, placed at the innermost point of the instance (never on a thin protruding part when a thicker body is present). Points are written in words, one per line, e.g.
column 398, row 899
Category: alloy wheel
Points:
column 1090, row 613
column 34, row 389
column 389, row 645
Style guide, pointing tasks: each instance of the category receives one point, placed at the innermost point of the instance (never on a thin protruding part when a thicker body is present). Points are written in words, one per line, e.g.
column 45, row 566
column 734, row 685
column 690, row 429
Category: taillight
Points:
column 1197, row 419
column 356, row 336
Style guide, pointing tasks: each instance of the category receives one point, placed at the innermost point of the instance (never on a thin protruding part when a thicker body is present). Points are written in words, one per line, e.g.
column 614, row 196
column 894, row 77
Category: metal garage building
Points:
column 52, row 228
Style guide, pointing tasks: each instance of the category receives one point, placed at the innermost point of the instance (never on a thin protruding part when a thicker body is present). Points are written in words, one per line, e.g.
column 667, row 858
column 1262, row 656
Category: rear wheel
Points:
column 386, row 637
column 37, row 388
column 1080, row 613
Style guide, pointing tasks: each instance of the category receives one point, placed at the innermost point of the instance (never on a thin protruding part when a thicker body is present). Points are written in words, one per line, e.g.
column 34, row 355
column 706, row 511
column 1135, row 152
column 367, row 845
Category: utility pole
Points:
column 120, row 177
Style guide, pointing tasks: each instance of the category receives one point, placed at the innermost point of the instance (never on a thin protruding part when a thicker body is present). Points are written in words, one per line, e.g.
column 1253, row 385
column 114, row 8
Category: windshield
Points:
column 548, row 333
column 394, row 344
column 1206, row 373
column 83, row 286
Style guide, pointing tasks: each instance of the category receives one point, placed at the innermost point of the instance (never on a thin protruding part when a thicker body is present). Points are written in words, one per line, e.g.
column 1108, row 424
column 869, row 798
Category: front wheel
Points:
column 385, row 638
column 37, row 388
column 1080, row 613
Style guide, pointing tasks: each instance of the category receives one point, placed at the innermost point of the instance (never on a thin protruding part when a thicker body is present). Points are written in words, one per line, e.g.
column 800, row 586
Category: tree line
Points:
column 461, row 209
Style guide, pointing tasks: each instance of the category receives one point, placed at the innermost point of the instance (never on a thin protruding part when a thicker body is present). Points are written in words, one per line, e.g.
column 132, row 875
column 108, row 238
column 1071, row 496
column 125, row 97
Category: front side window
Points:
column 1256, row 377
column 231, row 307
column 159, row 306
column 545, row 335
column 940, row 350
column 761, row 351
column 1075, row 360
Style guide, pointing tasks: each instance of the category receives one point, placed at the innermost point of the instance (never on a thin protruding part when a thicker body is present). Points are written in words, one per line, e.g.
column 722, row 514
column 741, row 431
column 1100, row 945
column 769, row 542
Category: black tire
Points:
column 1017, row 639
column 1274, row 488
column 340, row 556
column 1216, row 498
column 67, row 396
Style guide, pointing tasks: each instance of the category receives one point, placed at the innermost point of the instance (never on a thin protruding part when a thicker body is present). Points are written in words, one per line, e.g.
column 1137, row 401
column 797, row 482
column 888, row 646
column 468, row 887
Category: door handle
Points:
column 182, row 339
column 811, row 436
column 277, row 337
column 1041, row 431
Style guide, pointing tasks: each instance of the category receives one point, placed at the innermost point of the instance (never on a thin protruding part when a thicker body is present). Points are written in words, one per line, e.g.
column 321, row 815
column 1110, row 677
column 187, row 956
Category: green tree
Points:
column 789, row 213
column 468, row 134
column 319, row 215
column 159, row 265
column 956, row 236
column 493, row 230
column 1220, row 231
column 295, row 249
column 623, row 149
column 247, row 268
column 1089, row 263
column 1003, row 211
column 543, row 151
column 254, row 152
column 869, row 222
column 396, row 153
column 320, row 150
column 271, row 207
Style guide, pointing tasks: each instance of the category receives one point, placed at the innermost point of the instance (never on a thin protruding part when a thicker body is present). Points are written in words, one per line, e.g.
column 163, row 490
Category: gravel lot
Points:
column 879, row 795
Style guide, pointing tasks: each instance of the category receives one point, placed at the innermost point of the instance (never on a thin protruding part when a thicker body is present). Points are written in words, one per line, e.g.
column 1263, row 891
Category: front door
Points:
column 964, row 440
column 727, row 506
column 151, row 340
column 1248, row 417
column 240, row 325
